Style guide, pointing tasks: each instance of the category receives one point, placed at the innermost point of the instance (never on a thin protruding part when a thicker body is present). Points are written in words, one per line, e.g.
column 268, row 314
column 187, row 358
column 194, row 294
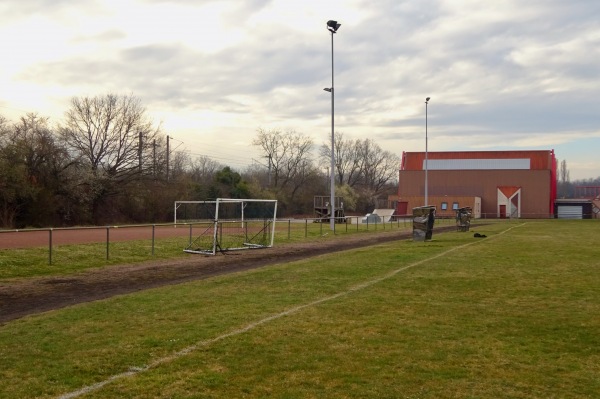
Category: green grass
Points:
column 32, row 262
column 511, row 316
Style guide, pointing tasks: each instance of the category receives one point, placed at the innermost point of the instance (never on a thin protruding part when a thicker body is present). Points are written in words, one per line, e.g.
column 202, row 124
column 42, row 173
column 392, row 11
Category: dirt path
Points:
column 19, row 299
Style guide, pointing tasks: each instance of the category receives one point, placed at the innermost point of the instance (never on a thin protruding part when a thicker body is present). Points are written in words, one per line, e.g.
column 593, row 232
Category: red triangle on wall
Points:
column 508, row 191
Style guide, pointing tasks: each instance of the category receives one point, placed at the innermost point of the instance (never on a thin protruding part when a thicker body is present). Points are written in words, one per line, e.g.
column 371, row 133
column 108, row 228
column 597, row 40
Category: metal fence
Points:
column 108, row 236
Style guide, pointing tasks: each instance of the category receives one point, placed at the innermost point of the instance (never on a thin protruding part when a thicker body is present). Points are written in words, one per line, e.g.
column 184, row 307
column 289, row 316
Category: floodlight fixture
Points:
column 333, row 26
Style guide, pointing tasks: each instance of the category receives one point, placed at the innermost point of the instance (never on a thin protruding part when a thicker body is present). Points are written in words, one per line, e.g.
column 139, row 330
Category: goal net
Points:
column 228, row 224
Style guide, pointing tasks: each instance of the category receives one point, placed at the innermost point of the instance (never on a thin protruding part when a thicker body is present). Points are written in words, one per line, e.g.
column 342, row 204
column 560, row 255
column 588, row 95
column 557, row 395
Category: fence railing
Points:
column 184, row 233
column 348, row 224
column 51, row 238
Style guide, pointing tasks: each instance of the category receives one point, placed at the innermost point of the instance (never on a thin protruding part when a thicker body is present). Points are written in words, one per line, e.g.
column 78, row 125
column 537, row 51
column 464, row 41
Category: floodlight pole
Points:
column 332, row 26
column 332, row 178
column 426, row 155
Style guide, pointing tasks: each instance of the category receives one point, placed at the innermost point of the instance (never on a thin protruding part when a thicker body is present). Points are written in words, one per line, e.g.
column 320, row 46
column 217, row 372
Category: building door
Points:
column 402, row 208
column 502, row 211
column 509, row 199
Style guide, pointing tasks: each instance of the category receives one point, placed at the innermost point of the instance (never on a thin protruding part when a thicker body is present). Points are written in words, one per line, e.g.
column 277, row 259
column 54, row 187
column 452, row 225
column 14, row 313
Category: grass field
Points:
column 515, row 315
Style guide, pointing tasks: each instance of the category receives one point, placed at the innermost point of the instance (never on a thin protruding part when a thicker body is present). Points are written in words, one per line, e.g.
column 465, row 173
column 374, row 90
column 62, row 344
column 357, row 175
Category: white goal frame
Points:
column 224, row 226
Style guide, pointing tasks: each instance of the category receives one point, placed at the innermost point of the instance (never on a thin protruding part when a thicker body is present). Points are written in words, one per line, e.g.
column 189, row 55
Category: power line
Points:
column 239, row 161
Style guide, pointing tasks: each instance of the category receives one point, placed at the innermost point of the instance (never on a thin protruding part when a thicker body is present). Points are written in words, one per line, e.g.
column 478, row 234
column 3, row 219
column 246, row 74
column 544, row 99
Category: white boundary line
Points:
column 192, row 348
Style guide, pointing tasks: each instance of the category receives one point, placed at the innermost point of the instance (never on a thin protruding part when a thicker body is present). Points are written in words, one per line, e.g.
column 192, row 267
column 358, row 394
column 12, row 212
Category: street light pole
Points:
column 426, row 155
column 332, row 26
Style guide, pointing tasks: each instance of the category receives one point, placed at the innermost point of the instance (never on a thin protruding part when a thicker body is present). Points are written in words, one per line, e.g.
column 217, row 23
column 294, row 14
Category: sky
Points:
column 501, row 75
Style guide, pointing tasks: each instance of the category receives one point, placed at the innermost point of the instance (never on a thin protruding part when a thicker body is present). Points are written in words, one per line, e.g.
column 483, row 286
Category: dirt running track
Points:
column 27, row 297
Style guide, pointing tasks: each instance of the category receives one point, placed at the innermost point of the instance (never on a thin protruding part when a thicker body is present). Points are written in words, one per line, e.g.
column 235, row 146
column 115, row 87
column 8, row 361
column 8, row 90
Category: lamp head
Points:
column 333, row 26
column 329, row 89
column 427, row 99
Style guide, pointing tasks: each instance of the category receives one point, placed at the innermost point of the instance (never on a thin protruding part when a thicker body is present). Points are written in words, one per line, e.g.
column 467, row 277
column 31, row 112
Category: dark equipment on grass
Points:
column 423, row 220
column 463, row 218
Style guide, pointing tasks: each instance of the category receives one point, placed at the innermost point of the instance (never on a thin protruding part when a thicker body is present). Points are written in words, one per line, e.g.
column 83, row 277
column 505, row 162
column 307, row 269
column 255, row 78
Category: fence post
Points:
column 190, row 243
column 107, row 240
column 50, row 246
column 153, row 226
column 305, row 228
column 289, row 228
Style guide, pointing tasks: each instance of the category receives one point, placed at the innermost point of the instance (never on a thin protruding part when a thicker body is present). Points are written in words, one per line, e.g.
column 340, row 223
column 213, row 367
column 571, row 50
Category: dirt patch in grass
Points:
column 22, row 298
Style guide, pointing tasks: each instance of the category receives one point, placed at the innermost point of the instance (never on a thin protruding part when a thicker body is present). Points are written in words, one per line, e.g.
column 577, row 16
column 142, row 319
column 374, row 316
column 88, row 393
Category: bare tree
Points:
column 292, row 171
column 203, row 169
column 362, row 163
column 363, row 166
column 349, row 164
column 114, row 139
column 563, row 173
column 4, row 130
column 108, row 132
column 381, row 167
column 565, row 187
column 289, row 155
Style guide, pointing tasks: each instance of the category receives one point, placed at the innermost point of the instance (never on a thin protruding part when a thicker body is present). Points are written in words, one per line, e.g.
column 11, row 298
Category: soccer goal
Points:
column 228, row 224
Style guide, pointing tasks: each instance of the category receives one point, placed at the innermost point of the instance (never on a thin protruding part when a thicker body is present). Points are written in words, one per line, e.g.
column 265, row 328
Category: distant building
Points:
column 585, row 204
column 495, row 184
column 576, row 208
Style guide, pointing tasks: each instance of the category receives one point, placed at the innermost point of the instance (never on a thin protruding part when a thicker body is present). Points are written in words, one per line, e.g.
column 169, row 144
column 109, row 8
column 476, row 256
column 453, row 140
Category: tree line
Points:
column 107, row 162
column 567, row 188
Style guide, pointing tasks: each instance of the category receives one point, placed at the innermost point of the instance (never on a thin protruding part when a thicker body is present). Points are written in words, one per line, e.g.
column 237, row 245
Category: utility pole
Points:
column 140, row 152
column 154, row 158
column 168, row 150
column 426, row 157
column 269, row 170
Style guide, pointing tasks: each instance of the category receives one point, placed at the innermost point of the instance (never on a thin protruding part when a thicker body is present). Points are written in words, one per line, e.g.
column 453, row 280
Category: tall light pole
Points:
column 332, row 26
column 426, row 156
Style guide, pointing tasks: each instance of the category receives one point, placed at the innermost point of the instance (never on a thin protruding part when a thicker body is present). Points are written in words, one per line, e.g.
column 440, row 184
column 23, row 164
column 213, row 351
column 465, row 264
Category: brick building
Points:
column 496, row 184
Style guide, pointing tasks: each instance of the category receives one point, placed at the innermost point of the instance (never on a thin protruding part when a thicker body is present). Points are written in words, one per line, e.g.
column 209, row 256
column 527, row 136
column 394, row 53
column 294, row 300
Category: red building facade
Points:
column 500, row 183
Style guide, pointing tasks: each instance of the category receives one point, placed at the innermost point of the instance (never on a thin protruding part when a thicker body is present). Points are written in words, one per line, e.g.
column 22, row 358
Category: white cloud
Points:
column 215, row 71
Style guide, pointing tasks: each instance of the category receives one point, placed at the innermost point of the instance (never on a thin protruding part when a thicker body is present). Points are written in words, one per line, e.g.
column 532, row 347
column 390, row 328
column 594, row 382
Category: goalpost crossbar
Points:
column 233, row 224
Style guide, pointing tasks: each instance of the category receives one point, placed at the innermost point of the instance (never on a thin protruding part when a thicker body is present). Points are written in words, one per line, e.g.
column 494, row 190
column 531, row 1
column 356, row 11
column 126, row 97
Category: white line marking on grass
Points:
column 192, row 348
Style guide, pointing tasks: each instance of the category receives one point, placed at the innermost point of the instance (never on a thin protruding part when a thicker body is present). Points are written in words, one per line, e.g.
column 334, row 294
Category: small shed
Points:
column 573, row 208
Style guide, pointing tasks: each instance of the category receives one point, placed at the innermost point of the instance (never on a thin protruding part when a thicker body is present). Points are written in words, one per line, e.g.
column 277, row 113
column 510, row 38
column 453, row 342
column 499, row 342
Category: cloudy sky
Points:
column 502, row 75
